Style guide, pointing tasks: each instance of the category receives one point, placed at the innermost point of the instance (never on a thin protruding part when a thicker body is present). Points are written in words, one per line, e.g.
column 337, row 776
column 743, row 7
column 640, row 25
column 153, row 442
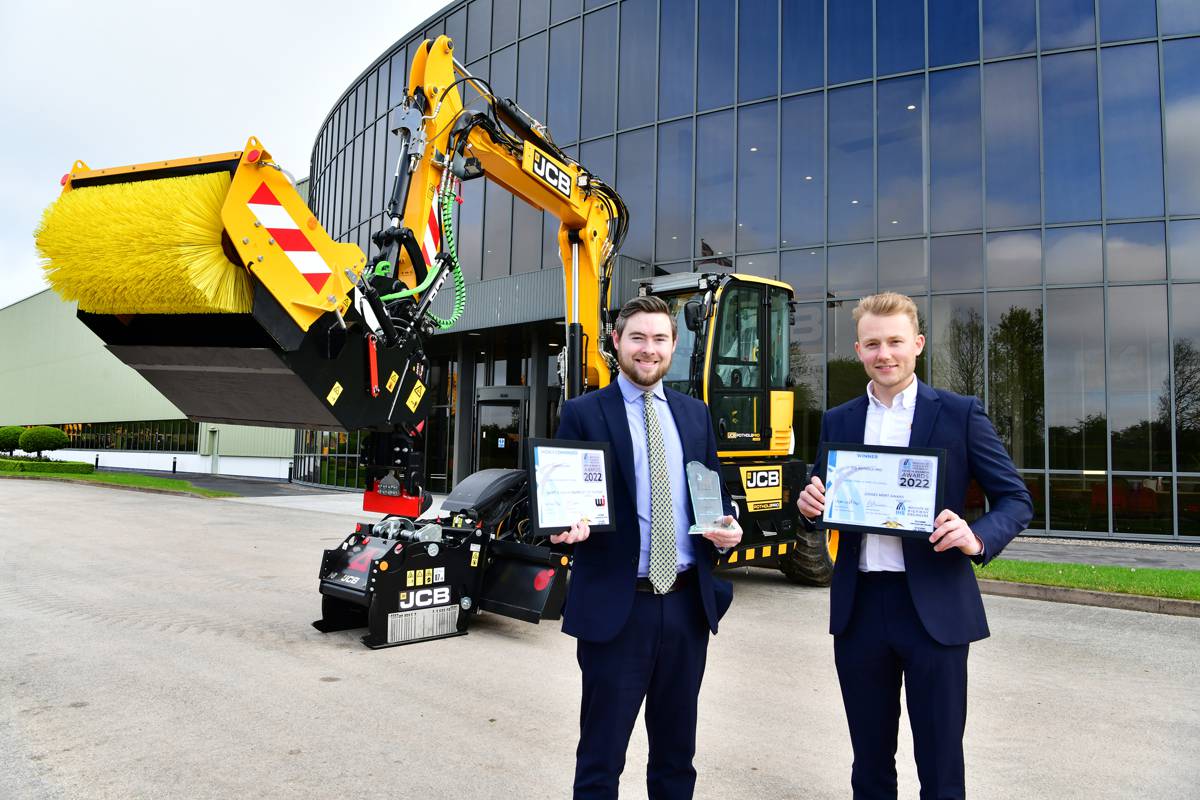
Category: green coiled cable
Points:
column 450, row 248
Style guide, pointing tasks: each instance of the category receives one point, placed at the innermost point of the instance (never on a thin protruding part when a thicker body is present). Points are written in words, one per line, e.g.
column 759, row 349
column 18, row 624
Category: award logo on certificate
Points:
column 569, row 481
column 890, row 490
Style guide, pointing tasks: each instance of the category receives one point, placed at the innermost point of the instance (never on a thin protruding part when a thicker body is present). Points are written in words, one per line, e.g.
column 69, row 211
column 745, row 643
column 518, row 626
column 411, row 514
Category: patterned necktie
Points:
column 662, row 516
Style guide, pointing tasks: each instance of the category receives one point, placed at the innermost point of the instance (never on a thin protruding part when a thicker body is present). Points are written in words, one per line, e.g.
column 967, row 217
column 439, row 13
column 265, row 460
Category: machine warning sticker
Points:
column 429, row 576
column 344, row 305
column 393, row 379
column 414, row 399
column 475, row 559
column 334, row 393
column 408, row 578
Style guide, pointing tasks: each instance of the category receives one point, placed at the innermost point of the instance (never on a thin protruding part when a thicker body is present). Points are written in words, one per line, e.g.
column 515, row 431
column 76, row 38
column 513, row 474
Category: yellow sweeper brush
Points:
column 148, row 247
column 193, row 236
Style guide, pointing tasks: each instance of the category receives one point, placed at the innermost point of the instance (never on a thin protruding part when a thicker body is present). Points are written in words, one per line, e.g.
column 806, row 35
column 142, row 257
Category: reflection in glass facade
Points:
column 1028, row 171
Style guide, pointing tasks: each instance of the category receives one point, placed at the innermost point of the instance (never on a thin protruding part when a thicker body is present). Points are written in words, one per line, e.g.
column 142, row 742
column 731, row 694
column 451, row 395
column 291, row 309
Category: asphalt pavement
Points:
column 156, row 646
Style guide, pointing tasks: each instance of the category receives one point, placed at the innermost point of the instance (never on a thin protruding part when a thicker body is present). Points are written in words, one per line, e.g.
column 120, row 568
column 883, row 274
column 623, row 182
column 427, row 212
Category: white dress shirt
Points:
column 890, row 426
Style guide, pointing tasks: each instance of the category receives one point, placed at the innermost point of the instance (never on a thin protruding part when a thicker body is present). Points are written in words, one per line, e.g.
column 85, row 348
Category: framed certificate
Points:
column 889, row 490
column 569, row 481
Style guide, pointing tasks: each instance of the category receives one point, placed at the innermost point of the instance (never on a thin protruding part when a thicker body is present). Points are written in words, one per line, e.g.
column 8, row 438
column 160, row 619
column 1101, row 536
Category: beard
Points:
column 640, row 377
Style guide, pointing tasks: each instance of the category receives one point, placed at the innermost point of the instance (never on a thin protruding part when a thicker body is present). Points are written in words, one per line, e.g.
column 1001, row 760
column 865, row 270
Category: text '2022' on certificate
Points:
column 890, row 490
column 569, row 481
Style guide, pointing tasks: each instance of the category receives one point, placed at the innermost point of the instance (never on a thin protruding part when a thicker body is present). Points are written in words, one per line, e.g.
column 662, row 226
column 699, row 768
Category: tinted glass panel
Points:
column 497, row 231
column 526, row 237
column 470, row 230
column 852, row 270
column 1185, row 299
column 456, row 29
column 1075, row 398
column 1015, row 389
column 1009, row 27
column 957, row 343
column 804, row 271
column 599, row 65
column 1071, row 137
column 765, row 265
column 1067, row 23
column 635, row 182
column 1126, row 19
column 562, row 114
column 1142, row 504
column 849, row 40
column 846, row 379
column 802, row 215
column 1133, row 185
column 1078, row 503
column 531, row 76
column 806, row 361
column 1185, row 249
column 674, row 220
column 1073, row 255
column 1181, row 79
column 676, row 79
column 757, row 175
column 1178, row 16
column 901, row 109
column 1011, row 131
column 479, row 29
column 639, row 39
column 955, row 144
column 851, row 169
column 1136, row 252
column 535, row 14
column 956, row 262
column 714, row 186
column 953, row 32
column 562, row 9
column 504, row 72
column 758, row 62
column 599, row 158
column 1014, row 258
column 1139, row 408
column 900, row 36
column 504, row 22
column 902, row 267
column 715, row 58
column 803, row 61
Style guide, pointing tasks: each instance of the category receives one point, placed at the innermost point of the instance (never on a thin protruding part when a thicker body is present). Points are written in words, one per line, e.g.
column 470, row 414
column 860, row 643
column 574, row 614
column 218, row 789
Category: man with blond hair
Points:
column 905, row 610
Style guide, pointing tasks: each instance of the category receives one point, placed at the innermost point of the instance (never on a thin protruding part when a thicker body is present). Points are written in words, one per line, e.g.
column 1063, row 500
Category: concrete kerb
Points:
column 103, row 485
column 1087, row 597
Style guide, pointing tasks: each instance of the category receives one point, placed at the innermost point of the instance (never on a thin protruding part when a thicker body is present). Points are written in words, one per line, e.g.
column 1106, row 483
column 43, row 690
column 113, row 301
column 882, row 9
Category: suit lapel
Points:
column 682, row 425
column 856, row 421
column 612, row 403
column 925, row 415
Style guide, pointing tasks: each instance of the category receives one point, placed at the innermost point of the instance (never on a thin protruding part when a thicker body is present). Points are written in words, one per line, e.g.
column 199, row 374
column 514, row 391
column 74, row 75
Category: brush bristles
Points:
column 145, row 247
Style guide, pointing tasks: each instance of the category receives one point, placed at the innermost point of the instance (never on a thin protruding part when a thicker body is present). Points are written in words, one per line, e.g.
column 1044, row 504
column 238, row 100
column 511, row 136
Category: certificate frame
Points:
column 893, row 453
column 538, row 522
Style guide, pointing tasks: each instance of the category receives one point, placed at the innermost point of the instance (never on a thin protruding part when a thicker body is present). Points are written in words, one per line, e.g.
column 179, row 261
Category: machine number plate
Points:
column 422, row 623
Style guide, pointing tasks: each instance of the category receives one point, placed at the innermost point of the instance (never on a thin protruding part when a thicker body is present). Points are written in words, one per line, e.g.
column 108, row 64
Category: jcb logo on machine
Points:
column 542, row 166
column 764, row 488
column 423, row 598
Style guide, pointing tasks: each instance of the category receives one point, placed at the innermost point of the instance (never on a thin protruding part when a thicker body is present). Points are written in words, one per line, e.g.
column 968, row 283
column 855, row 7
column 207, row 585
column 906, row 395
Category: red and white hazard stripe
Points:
column 290, row 238
column 431, row 244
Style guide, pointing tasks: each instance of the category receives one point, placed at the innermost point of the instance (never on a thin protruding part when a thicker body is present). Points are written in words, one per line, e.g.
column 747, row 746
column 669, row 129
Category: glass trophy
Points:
column 705, row 488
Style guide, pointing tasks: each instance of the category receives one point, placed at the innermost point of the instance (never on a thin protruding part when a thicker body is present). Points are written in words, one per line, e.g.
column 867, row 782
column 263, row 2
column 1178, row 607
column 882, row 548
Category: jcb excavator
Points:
column 303, row 332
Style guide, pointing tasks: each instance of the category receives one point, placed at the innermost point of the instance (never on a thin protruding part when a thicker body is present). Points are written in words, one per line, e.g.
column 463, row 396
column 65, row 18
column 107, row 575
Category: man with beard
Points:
column 643, row 599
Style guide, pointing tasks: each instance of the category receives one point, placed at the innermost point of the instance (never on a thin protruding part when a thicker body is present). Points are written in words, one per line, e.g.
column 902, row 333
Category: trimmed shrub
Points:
column 69, row 467
column 10, row 438
column 41, row 438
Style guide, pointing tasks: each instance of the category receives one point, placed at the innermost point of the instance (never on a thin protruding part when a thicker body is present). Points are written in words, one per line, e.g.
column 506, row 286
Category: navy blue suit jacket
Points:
column 943, row 585
column 604, row 572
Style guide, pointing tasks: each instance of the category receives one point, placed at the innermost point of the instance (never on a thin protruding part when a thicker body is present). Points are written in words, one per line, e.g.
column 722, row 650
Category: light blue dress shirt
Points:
column 635, row 414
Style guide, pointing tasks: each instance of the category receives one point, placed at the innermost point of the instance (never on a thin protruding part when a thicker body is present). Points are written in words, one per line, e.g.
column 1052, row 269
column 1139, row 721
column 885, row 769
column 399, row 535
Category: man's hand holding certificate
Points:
column 886, row 490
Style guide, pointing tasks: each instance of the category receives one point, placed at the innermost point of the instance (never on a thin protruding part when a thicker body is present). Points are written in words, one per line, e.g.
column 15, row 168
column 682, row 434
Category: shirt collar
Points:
column 907, row 398
column 631, row 391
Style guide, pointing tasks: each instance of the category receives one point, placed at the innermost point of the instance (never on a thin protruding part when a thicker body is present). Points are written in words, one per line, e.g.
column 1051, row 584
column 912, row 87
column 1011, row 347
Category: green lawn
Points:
column 129, row 479
column 1177, row 584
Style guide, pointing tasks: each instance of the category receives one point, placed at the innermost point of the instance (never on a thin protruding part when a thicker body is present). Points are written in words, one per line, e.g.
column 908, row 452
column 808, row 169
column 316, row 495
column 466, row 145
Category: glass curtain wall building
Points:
column 1028, row 170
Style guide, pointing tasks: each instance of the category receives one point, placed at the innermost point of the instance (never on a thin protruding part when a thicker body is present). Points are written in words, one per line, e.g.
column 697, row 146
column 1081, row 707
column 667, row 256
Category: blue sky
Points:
column 127, row 81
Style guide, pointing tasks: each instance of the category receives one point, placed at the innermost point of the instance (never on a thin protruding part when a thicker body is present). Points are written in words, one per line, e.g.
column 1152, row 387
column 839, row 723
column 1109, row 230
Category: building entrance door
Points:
column 500, row 419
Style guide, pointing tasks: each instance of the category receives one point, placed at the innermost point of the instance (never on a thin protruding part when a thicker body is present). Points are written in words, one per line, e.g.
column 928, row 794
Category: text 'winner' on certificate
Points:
column 570, row 481
column 890, row 490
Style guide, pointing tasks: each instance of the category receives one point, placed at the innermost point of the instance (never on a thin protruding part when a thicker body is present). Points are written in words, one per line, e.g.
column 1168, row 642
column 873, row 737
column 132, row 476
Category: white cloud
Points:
column 132, row 80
